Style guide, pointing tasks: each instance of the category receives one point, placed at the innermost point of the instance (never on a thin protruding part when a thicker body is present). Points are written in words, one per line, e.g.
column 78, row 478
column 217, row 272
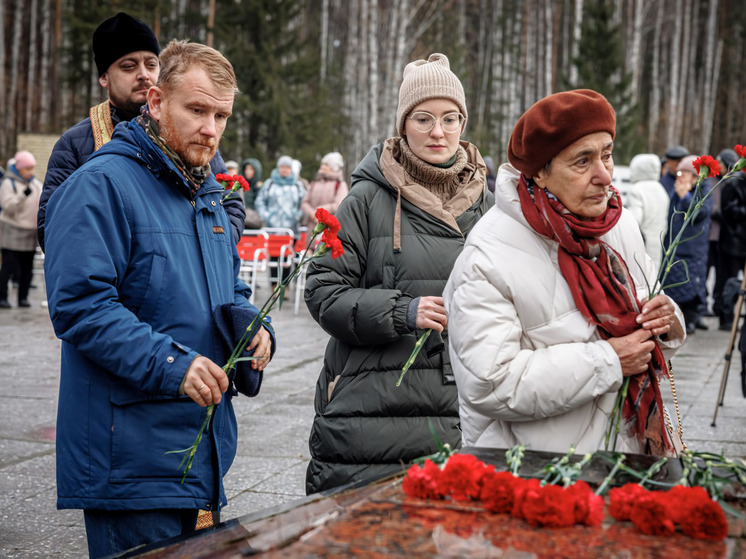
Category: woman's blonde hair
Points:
column 180, row 56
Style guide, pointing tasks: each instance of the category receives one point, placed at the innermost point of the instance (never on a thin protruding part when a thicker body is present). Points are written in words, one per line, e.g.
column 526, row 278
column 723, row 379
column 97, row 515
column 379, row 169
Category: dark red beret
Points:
column 555, row 122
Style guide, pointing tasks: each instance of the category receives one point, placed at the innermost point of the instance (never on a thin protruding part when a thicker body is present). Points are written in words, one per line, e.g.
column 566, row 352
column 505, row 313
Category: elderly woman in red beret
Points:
column 548, row 303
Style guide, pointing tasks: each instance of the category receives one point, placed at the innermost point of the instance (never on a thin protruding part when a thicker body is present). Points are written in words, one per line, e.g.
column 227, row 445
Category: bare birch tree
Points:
column 634, row 61
column 654, row 103
column 577, row 21
column 373, row 102
column 675, row 91
column 324, row 42
column 713, row 50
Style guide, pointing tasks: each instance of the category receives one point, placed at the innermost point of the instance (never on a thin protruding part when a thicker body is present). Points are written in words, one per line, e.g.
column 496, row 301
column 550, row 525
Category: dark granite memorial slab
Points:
column 378, row 520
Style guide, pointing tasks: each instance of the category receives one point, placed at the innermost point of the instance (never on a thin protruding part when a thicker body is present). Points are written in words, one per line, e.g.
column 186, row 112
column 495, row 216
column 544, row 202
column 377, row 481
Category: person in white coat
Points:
column 648, row 201
column 548, row 308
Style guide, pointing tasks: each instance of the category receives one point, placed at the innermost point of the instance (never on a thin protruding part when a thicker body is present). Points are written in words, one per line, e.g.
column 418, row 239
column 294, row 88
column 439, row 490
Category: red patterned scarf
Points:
column 604, row 292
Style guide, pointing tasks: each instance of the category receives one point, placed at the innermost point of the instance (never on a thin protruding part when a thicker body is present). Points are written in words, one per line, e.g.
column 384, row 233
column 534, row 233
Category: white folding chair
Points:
column 280, row 245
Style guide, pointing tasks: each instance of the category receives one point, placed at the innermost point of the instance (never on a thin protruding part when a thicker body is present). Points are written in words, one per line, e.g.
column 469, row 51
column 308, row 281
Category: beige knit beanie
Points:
column 428, row 79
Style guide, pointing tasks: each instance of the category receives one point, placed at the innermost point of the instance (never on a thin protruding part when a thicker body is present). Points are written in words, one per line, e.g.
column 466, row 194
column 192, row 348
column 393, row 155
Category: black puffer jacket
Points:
column 366, row 426
column 733, row 216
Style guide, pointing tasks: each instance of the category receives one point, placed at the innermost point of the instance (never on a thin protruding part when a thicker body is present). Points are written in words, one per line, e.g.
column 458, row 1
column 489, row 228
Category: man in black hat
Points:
column 125, row 51
column 674, row 154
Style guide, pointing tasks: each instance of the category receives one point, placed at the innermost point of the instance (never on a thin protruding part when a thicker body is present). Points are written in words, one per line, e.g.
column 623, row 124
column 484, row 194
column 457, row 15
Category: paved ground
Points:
column 273, row 427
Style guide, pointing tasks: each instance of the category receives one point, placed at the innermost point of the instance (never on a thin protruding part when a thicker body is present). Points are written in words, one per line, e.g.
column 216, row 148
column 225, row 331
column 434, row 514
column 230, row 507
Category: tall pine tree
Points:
column 281, row 108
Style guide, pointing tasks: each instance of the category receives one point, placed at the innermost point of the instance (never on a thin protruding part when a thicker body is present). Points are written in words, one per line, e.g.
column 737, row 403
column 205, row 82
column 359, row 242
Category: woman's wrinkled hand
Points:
column 658, row 315
column 634, row 351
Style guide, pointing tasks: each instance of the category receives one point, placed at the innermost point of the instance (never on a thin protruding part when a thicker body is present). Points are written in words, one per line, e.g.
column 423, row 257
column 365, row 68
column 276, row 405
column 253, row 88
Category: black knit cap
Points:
column 120, row 35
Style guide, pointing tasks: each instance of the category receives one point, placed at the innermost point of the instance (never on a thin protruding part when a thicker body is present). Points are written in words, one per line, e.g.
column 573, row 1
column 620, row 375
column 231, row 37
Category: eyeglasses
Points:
column 424, row 122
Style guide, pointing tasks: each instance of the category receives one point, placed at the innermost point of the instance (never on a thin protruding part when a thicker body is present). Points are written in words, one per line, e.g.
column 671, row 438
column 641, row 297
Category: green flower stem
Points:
column 235, row 356
column 689, row 216
column 415, row 351
column 620, row 458
column 668, row 261
column 514, row 458
column 652, row 470
column 192, row 450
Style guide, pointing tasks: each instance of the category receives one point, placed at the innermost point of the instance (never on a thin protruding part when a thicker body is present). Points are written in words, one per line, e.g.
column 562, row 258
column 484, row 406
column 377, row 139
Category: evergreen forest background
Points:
column 323, row 75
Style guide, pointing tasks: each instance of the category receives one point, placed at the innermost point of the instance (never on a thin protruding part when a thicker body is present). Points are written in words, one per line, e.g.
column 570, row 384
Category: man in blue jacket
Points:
column 126, row 54
column 140, row 267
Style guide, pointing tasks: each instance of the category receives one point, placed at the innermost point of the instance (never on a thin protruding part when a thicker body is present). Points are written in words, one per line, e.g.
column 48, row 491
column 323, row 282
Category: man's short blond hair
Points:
column 180, row 56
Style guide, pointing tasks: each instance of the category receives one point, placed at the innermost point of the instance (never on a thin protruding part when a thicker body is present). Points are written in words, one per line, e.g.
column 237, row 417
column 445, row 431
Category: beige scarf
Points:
column 444, row 193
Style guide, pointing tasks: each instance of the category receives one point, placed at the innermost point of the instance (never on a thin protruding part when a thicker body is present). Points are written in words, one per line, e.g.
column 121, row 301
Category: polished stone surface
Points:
column 379, row 520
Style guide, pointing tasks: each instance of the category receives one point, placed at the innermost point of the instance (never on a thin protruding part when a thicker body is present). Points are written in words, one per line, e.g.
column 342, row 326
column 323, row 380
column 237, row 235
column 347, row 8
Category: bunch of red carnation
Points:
column 465, row 478
column 232, row 182
column 658, row 512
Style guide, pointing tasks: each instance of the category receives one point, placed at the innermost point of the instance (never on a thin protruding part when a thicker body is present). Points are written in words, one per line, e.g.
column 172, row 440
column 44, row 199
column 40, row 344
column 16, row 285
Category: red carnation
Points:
column 680, row 499
column 589, row 507
column 740, row 150
column 332, row 223
column 709, row 162
column 336, row 248
column 243, row 182
column 550, row 506
column 462, row 476
column 226, row 180
column 330, row 239
column 650, row 514
column 497, row 491
column 705, row 519
column 621, row 500
column 522, row 486
column 422, row 482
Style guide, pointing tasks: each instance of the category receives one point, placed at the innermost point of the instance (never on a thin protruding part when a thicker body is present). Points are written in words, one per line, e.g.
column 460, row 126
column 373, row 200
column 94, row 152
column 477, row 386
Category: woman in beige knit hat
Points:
column 414, row 198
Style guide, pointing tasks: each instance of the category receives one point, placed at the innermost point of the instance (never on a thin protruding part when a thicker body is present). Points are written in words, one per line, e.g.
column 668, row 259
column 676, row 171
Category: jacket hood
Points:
column 133, row 142
column 506, row 192
column 254, row 163
column 369, row 170
column 12, row 173
column 645, row 167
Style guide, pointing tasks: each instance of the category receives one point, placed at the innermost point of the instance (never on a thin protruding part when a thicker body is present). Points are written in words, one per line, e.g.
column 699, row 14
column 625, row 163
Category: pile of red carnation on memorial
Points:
column 465, row 478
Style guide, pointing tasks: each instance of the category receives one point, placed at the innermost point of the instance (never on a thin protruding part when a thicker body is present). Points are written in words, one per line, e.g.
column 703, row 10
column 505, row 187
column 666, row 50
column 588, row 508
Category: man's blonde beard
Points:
column 181, row 147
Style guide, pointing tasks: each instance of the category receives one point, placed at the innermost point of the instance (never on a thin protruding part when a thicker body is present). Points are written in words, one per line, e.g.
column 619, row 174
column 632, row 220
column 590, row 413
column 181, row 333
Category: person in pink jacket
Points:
column 19, row 200
column 327, row 190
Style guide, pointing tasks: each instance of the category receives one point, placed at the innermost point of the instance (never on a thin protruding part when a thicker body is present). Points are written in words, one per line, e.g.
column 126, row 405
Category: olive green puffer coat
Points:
column 365, row 426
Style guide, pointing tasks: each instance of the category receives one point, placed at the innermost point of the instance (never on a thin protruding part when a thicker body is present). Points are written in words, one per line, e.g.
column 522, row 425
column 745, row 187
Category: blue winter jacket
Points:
column 77, row 144
column 688, row 282
column 135, row 266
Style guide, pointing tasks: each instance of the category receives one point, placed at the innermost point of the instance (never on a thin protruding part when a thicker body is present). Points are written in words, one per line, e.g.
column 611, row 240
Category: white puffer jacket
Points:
column 529, row 368
column 648, row 201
